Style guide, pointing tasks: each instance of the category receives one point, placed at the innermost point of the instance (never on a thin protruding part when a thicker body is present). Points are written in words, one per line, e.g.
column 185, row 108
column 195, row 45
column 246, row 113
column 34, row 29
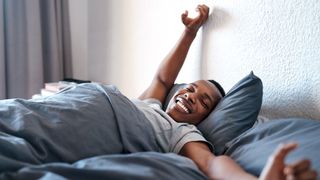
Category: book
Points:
column 46, row 92
column 36, row 96
column 56, row 86
column 77, row 81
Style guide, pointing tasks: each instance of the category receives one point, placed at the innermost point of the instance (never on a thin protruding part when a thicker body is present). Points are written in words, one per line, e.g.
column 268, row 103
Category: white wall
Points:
column 280, row 41
column 122, row 42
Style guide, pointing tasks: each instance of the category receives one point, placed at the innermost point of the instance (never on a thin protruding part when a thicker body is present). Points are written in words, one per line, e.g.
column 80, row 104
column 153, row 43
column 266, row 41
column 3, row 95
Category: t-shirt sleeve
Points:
column 186, row 133
column 153, row 102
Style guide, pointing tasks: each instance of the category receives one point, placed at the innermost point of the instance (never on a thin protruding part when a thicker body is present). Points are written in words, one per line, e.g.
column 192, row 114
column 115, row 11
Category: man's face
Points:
column 194, row 103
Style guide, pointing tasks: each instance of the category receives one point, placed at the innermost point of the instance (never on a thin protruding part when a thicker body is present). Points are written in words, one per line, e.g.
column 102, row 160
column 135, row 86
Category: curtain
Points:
column 35, row 45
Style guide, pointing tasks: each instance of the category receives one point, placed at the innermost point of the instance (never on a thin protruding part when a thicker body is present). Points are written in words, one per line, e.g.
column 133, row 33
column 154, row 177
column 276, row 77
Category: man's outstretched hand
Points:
column 276, row 169
column 193, row 24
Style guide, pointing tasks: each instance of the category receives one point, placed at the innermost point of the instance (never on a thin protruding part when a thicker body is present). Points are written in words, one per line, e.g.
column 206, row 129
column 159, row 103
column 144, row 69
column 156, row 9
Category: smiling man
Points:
column 175, row 129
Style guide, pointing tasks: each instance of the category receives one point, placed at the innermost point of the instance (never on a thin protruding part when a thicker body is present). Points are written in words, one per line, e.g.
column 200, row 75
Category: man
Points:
column 192, row 104
column 92, row 120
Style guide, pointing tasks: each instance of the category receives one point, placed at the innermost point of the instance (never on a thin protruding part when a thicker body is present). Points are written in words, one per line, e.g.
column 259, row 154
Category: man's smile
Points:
column 183, row 104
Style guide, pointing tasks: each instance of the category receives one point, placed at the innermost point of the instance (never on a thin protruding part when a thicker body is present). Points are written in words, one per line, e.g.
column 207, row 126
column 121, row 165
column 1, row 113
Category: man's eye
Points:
column 189, row 89
column 204, row 104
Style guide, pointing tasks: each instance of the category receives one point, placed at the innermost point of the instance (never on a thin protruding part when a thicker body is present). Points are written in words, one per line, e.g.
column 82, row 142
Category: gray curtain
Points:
column 35, row 45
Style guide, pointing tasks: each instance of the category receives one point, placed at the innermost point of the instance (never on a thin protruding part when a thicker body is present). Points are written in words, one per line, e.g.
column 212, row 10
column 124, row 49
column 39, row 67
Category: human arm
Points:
column 223, row 167
column 215, row 167
column 172, row 63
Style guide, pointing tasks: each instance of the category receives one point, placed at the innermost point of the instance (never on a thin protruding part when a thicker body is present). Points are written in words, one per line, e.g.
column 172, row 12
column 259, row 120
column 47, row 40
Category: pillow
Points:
column 235, row 113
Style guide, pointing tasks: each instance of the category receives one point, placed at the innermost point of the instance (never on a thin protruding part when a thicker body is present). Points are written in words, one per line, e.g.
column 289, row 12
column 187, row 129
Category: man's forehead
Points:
column 208, row 85
column 203, row 84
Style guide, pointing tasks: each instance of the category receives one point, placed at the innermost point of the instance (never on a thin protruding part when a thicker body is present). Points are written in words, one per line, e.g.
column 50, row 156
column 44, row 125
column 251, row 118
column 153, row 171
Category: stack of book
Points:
column 54, row 87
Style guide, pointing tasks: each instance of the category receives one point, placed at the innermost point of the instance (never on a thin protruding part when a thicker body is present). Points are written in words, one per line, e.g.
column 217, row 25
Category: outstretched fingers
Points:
column 185, row 14
column 203, row 12
column 193, row 24
column 300, row 170
column 298, row 167
column 283, row 150
column 274, row 168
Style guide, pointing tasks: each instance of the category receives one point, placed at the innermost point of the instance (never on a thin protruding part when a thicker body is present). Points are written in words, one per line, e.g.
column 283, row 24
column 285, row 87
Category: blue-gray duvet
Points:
column 89, row 131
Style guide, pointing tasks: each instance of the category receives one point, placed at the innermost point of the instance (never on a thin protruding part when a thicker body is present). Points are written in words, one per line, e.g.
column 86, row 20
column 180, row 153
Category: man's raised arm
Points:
column 171, row 65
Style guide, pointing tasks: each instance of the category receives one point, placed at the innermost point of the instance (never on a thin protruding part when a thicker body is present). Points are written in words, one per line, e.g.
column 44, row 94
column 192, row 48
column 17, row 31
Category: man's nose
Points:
column 190, row 97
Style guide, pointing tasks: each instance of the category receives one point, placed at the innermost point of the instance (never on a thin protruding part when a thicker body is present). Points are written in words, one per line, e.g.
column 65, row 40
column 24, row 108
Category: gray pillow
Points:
column 235, row 113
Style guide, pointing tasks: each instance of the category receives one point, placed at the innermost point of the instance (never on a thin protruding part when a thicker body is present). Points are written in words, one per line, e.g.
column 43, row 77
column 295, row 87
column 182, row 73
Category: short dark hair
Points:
column 219, row 87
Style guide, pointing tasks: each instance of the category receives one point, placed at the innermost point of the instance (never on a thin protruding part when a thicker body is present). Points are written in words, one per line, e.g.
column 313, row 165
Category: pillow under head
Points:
column 235, row 113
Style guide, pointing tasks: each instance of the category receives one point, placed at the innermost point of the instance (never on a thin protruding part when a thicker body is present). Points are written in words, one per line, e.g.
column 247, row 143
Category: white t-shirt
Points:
column 171, row 136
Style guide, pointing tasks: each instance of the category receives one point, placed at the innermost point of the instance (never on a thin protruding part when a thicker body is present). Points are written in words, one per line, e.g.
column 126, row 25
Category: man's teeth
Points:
column 183, row 107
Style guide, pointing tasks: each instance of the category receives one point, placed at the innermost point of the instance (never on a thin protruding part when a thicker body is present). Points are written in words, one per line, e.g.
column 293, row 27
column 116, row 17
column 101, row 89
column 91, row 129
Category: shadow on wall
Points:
column 218, row 19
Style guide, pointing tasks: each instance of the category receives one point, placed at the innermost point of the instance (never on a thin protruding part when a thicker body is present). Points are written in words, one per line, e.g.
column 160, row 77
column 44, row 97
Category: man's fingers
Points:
column 184, row 17
column 297, row 167
column 307, row 175
column 300, row 170
column 311, row 174
column 282, row 150
column 300, row 166
column 196, row 22
column 185, row 14
column 203, row 9
column 203, row 13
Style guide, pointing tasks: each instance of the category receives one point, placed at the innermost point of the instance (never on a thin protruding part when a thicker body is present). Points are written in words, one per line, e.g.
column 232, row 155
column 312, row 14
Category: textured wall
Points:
column 125, row 40
column 277, row 39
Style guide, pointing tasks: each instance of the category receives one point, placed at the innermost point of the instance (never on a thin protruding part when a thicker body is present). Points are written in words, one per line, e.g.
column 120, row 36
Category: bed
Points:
column 44, row 138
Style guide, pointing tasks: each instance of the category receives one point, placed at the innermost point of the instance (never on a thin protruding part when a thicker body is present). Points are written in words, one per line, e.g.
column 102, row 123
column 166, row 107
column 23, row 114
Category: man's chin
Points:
column 173, row 113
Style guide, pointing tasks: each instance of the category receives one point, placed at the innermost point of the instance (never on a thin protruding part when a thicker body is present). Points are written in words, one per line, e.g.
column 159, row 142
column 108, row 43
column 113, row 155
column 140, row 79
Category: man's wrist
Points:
column 190, row 32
